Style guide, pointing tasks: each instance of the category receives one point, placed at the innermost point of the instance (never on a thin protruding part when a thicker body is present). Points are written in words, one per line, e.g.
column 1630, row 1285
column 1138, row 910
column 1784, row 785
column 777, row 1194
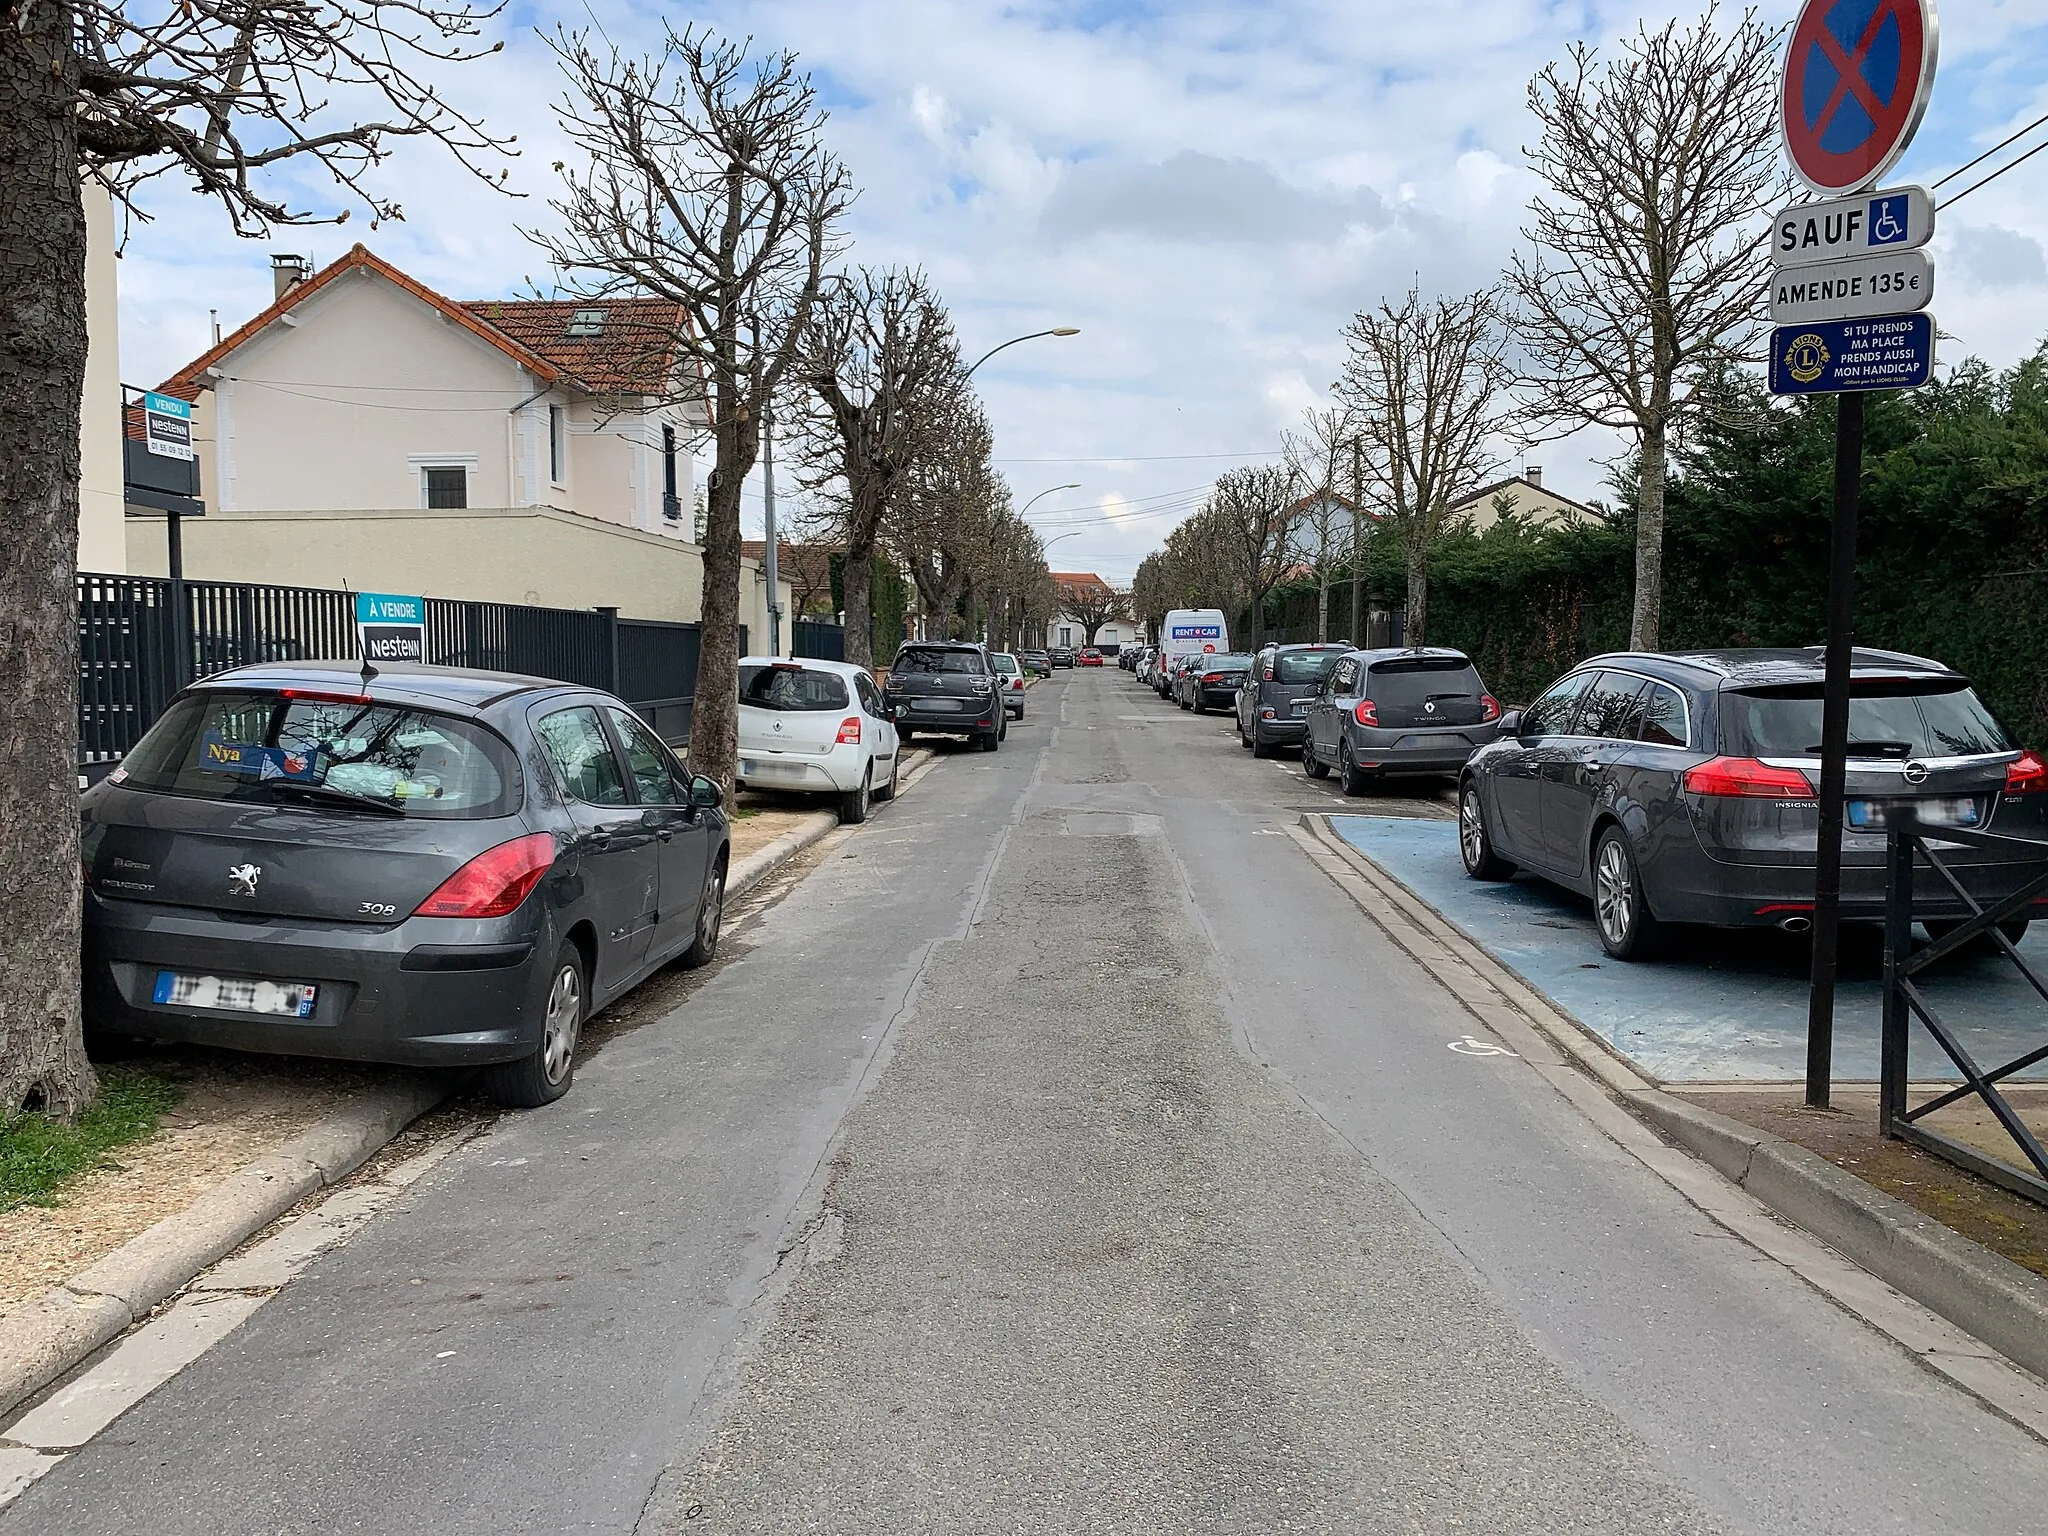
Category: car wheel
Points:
column 1003, row 729
column 888, row 790
column 1259, row 745
column 710, row 919
column 545, row 1076
column 1622, row 916
column 1312, row 765
column 990, row 741
column 1242, row 739
column 853, row 805
column 1354, row 779
column 1475, row 845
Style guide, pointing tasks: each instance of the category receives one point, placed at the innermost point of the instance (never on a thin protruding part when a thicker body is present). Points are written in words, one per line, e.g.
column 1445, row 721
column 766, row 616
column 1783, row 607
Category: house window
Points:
column 558, row 443
column 585, row 322
column 1066, row 635
column 446, row 485
column 671, row 503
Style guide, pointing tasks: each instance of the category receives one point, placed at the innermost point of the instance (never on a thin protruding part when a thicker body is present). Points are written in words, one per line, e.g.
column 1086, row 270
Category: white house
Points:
column 364, row 429
column 1524, row 493
column 1088, row 592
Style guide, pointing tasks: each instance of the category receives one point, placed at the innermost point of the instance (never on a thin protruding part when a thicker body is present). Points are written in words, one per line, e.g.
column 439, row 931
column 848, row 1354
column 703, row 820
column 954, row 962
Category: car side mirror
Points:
column 705, row 795
column 1511, row 723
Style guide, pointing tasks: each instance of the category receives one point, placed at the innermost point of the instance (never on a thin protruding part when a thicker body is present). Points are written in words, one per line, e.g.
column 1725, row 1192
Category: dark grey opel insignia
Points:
column 440, row 867
column 1681, row 788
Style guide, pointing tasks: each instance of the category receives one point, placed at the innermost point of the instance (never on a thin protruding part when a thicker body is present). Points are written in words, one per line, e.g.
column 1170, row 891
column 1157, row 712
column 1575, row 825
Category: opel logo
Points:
column 1916, row 773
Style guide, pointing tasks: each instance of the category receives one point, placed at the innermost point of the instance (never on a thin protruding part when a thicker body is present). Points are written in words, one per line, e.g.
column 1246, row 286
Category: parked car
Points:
column 1148, row 658
column 436, row 867
column 1037, row 661
column 817, row 727
column 1091, row 657
column 1681, row 788
column 1062, row 655
column 1169, row 673
column 1009, row 682
column 1272, row 706
column 1384, row 712
column 946, row 688
column 1128, row 653
column 1210, row 682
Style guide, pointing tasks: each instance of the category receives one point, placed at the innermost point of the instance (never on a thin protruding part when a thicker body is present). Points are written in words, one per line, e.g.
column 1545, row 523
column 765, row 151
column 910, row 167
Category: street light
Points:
column 1071, row 486
column 1058, row 330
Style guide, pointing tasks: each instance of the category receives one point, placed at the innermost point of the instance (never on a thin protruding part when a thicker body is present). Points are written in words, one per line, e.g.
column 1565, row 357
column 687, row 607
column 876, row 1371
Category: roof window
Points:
column 585, row 322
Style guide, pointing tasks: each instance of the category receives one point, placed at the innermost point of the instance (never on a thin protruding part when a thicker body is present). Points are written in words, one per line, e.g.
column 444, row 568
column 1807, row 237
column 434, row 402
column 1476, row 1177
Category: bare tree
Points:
column 1323, row 530
column 1649, row 262
column 707, row 183
column 123, row 91
column 1246, row 514
column 948, row 500
column 878, row 356
column 1013, row 578
column 1092, row 604
column 1426, row 382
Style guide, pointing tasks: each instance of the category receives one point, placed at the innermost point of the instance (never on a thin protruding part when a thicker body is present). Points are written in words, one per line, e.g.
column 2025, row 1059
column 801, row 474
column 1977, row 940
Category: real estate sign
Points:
column 167, row 426
column 391, row 628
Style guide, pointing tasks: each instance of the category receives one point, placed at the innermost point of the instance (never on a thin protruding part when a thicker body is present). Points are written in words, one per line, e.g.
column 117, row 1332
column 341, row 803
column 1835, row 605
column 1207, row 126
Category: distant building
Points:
column 1084, row 595
column 1524, row 493
column 364, row 429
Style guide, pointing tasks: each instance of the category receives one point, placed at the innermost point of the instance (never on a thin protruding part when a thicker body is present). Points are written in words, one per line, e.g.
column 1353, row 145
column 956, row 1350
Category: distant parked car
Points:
column 1681, row 788
column 817, row 727
column 1169, row 673
column 946, row 688
column 1142, row 667
column 1091, row 657
column 1272, row 705
column 436, row 867
column 1037, row 661
column 1210, row 682
column 1062, row 655
column 1009, row 682
column 1386, row 712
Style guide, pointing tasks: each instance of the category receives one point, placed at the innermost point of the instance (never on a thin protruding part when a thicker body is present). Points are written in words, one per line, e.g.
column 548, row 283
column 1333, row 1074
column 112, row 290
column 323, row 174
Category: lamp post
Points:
column 1058, row 330
column 1074, row 485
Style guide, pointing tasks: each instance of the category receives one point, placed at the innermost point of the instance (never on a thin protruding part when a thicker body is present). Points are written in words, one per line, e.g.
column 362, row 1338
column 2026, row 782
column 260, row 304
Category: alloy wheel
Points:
column 1614, row 892
column 710, row 914
column 1471, row 830
column 562, row 1025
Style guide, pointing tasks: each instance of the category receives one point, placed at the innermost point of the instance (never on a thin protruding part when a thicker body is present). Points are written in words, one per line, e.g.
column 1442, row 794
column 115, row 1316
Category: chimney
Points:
column 1534, row 475
column 287, row 272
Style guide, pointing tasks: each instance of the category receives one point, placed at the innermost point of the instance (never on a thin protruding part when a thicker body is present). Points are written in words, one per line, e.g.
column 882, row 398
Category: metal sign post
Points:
column 1855, row 286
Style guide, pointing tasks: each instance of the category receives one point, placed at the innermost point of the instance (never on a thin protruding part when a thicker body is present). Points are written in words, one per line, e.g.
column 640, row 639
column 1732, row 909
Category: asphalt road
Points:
column 1063, row 1153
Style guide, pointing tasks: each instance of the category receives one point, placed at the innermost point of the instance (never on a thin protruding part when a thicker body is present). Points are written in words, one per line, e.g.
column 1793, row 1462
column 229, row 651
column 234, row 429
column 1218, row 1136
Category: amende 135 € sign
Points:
column 1852, row 290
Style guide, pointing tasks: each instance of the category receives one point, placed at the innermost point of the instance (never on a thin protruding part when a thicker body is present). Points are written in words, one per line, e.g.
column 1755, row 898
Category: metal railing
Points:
column 1906, row 999
column 818, row 639
column 142, row 638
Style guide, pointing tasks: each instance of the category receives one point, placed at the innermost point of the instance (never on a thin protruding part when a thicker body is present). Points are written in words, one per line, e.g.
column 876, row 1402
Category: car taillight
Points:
column 1366, row 712
column 849, row 731
column 1747, row 779
column 495, row 882
column 1211, row 679
column 1489, row 708
column 2027, row 775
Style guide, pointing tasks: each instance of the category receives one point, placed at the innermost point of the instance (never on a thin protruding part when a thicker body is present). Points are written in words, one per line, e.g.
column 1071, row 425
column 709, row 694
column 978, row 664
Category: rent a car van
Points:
column 1193, row 632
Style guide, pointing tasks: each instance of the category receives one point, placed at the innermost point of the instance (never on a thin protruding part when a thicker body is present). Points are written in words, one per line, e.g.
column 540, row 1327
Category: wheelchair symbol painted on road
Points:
column 1465, row 1045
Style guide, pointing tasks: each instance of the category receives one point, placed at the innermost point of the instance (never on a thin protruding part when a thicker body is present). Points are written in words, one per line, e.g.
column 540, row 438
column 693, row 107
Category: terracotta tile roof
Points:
column 632, row 353
column 189, row 380
column 1082, row 580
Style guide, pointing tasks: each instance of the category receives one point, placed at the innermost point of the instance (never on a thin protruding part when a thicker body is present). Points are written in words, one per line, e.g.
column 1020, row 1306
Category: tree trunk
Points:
column 1418, row 583
column 715, row 715
column 1643, row 624
column 1323, row 611
column 858, row 576
column 42, row 376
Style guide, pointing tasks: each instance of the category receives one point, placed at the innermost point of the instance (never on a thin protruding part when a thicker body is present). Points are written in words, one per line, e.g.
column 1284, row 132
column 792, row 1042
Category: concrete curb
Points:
column 758, row 865
column 57, row 1330
column 1984, row 1294
column 1981, row 1292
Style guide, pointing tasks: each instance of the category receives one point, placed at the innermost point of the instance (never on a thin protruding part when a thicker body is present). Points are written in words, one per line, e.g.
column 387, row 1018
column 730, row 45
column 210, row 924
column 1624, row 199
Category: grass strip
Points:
column 39, row 1155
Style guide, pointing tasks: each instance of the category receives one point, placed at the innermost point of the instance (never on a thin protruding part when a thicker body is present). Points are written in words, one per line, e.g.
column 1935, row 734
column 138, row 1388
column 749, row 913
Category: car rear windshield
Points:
column 1004, row 663
column 1946, row 720
column 791, row 688
column 219, row 744
column 1304, row 666
column 1412, row 681
column 937, row 661
column 1226, row 663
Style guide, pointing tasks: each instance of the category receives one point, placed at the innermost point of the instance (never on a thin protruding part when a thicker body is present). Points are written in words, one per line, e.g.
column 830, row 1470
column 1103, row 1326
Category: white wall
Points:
column 102, row 541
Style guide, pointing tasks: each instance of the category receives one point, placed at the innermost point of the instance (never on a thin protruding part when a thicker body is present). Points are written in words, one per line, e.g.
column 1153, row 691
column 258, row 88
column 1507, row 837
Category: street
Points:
column 1062, row 1151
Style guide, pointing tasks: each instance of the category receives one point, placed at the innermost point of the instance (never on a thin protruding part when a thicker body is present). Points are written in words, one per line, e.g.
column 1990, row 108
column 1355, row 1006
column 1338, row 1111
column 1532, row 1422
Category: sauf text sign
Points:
column 1900, row 219
column 391, row 628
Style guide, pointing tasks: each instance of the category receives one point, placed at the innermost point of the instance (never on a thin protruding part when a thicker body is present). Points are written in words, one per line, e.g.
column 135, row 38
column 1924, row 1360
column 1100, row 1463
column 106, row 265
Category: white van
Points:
column 1191, row 632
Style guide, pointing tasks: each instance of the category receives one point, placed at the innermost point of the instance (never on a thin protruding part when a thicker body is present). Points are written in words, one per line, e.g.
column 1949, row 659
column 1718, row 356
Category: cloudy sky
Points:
column 1207, row 188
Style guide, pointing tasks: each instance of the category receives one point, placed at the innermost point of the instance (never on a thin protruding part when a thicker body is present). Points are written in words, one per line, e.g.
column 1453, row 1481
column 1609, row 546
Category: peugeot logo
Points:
column 242, row 879
column 1916, row 773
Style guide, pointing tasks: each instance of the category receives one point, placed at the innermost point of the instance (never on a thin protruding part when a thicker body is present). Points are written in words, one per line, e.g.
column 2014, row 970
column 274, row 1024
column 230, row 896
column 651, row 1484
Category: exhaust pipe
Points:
column 1795, row 924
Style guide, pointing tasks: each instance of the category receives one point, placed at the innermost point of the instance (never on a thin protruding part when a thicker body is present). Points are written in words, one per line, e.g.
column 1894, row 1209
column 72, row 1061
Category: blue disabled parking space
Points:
column 1719, row 1006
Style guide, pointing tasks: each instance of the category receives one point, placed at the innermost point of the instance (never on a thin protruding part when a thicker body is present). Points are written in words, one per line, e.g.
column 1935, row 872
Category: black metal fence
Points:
column 1906, row 998
column 818, row 639
column 142, row 638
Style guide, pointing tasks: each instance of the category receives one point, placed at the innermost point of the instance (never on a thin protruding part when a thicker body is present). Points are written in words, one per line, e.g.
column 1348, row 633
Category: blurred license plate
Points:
column 946, row 704
column 1300, row 706
column 1868, row 815
column 292, row 999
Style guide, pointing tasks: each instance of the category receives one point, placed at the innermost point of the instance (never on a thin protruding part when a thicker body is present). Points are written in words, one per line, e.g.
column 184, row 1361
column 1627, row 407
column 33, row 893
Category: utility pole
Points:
column 1357, row 635
column 768, row 500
